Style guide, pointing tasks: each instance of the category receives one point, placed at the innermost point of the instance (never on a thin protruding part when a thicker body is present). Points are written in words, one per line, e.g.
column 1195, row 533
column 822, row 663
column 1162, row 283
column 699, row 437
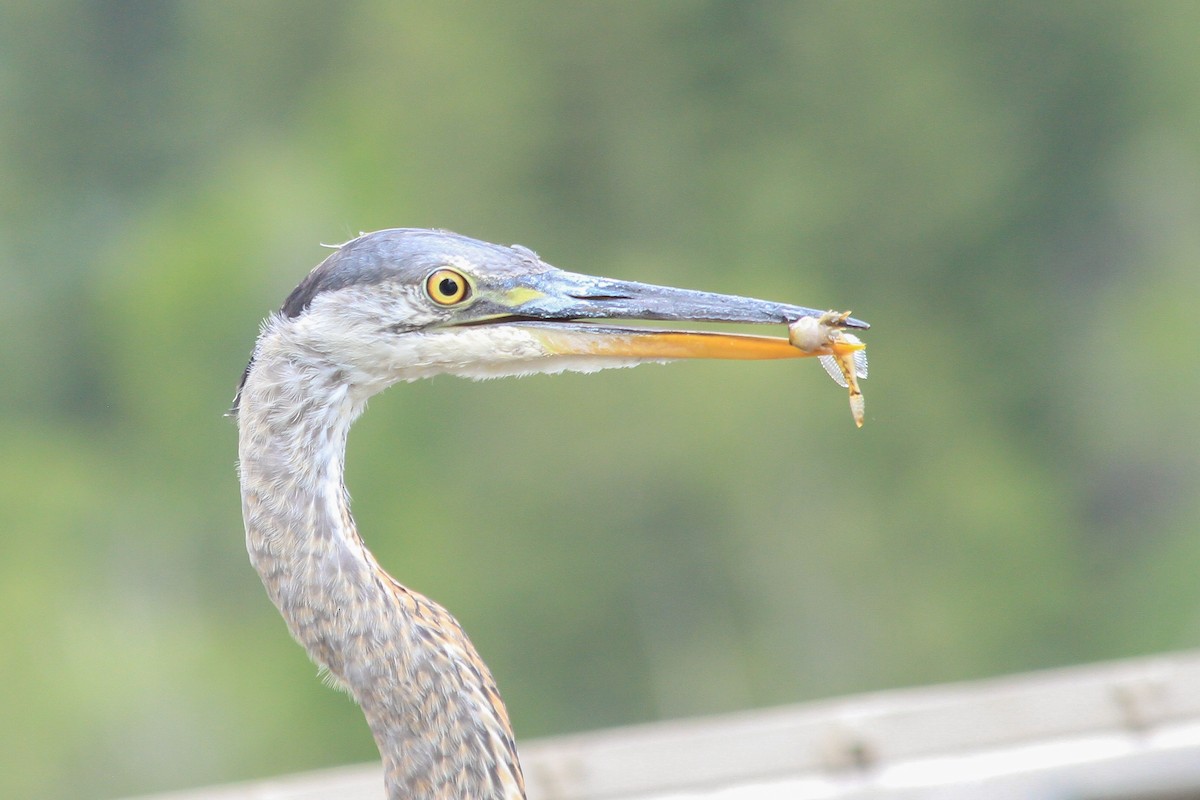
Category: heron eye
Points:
column 447, row 287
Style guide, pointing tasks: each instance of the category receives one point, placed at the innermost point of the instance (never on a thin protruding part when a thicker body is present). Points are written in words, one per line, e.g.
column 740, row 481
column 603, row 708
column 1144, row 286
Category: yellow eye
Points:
column 447, row 287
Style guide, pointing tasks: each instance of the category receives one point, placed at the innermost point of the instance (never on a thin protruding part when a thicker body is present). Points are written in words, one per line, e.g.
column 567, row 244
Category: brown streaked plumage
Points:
column 400, row 305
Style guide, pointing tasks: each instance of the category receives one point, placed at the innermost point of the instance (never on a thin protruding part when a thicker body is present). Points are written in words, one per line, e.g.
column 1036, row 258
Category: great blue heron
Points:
column 398, row 305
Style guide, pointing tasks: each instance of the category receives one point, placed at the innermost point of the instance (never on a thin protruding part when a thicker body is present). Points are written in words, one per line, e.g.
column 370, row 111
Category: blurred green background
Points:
column 1009, row 192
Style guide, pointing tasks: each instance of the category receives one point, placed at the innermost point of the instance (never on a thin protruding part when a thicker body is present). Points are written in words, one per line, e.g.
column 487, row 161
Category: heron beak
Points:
column 569, row 313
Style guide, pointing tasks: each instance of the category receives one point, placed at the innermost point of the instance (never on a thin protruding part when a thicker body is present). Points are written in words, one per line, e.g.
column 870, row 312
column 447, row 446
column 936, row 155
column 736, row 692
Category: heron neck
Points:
column 375, row 637
column 299, row 532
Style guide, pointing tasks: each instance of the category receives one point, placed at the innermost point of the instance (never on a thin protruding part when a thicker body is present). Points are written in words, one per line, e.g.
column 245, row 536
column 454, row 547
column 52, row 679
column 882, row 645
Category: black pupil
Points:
column 448, row 287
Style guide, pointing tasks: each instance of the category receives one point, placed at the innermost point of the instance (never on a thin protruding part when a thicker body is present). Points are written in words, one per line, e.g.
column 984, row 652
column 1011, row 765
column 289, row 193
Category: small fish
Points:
column 842, row 354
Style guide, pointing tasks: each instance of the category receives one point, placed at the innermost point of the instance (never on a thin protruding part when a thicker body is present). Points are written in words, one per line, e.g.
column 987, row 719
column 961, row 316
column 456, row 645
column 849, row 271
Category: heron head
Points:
column 405, row 304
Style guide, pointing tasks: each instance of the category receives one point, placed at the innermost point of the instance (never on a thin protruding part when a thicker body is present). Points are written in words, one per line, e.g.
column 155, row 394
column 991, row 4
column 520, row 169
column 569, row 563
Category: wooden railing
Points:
column 1125, row 729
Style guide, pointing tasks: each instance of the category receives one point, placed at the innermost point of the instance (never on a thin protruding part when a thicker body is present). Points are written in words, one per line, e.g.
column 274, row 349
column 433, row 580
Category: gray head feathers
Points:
column 405, row 255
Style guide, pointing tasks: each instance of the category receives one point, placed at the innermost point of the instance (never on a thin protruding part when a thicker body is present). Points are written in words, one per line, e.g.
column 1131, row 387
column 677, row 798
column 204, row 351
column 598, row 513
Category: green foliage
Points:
column 1007, row 191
